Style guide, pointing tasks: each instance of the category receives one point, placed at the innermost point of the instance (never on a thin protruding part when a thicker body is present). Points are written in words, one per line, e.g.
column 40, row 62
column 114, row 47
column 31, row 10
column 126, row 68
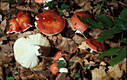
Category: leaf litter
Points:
column 86, row 65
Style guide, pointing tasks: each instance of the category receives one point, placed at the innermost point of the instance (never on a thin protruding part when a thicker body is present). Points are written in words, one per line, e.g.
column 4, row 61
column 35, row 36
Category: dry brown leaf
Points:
column 90, row 63
column 76, row 59
column 3, row 25
column 103, row 63
column 125, row 1
column 115, row 72
column 99, row 74
column 83, row 46
column 78, row 39
column 62, row 76
column 64, row 44
column 35, row 10
column 4, row 5
column 124, row 65
column 85, row 4
column 1, row 73
column 26, row 74
column 95, row 33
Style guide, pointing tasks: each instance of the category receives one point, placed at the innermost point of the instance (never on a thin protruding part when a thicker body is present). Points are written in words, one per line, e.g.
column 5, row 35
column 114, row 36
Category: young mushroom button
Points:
column 49, row 22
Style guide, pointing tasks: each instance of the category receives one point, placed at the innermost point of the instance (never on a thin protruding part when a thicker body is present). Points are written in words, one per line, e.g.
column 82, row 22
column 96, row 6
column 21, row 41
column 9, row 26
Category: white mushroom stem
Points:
column 81, row 32
column 65, row 70
column 91, row 50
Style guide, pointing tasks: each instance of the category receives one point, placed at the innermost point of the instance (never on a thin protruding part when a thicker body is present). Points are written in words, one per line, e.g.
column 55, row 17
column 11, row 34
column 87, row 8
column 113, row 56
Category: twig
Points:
column 122, row 3
column 27, row 9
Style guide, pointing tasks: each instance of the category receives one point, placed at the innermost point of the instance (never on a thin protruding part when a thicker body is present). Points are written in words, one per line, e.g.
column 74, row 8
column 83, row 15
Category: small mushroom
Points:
column 77, row 23
column 58, row 55
column 54, row 69
column 26, row 50
column 95, row 46
column 19, row 24
column 49, row 22
column 42, row 1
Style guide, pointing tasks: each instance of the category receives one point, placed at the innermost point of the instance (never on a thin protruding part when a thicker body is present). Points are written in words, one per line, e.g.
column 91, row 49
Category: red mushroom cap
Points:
column 96, row 46
column 54, row 69
column 76, row 23
column 58, row 55
column 49, row 22
column 20, row 23
column 40, row 1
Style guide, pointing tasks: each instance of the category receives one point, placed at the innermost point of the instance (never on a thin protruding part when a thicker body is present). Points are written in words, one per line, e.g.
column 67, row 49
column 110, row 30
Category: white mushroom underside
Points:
column 26, row 49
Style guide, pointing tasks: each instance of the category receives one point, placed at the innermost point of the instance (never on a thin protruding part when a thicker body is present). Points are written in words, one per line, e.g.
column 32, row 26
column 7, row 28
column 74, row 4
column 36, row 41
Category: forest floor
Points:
column 80, row 63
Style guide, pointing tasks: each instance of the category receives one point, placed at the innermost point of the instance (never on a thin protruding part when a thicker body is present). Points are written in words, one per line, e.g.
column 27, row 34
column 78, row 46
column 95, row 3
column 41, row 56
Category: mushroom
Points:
column 42, row 1
column 49, row 22
column 21, row 23
column 54, row 69
column 94, row 45
column 77, row 23
column 26, row 50
column 58, row 55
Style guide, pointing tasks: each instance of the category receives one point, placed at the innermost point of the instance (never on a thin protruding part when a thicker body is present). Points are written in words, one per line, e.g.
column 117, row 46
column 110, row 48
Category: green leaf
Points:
column 71, row 63
column 87, row 66
column 124, row 40
column 120, row 57
column 77, row 75
column 9, row 78
column 61, row 13
column 123, row 15
column 61, row 63
column 85, row 20
column 105, row 20
column 98, row 25
column 104, row 0
column 49, row 4
column 119, row 25
column 90, row 22
column 64, row 6
column 110, row 52
column 106, row 34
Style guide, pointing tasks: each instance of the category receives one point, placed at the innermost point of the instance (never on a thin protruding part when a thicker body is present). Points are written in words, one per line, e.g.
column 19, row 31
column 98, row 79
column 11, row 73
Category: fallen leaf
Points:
column 64, row 44
column 35, row 10
column 95, row 33
column 99, row 74
column 4, row 5
column 76, row 59
column 124, row 65
column 83, row 46
column 63, row 76
column 3, row 25
column 1, row 73
column 78, row 39
column 115, row 72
